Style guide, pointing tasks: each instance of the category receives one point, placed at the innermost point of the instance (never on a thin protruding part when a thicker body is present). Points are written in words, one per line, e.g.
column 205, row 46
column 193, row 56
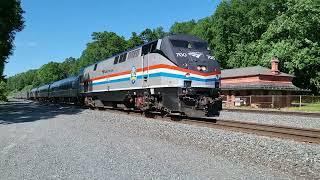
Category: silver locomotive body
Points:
column 172, row 75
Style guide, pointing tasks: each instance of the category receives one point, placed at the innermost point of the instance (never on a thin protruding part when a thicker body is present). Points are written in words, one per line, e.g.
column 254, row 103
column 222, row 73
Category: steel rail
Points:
column 287, row 132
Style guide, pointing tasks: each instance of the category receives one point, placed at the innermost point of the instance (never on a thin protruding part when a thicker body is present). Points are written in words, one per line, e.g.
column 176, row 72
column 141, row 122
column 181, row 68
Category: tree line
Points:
column 11, row 22
column 239, row 33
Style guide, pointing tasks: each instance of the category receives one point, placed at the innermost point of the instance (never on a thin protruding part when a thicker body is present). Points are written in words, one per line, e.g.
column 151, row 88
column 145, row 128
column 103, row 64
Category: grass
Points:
column 308, row 107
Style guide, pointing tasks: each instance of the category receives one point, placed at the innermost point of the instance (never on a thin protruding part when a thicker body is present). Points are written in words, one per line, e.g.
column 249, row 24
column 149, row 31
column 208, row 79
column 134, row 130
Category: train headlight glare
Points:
column 203, row 68
column 199, row 68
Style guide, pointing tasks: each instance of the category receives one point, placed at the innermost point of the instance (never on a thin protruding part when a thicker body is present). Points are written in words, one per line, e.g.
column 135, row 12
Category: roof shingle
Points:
column 249, row 71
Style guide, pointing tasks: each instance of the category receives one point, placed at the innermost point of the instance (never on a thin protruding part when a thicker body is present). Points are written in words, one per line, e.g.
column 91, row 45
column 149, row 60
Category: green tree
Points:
column 183, row 27
column 3, row 91
column 236, row 23
column 104, row 44
column 69, row 67
column 21, row 80
column 11, row 21
column 148, row 35
column 202, row 27
column 134, row 41
column 49, row 73
column 294, row 38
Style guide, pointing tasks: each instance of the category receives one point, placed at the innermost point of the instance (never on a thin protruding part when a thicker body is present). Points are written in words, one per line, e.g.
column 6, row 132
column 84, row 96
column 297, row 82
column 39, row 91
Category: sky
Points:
column 58, row 29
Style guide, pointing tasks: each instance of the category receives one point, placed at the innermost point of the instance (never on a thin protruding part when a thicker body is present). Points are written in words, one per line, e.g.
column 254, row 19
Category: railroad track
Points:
column 304, row 114
column 284, row 132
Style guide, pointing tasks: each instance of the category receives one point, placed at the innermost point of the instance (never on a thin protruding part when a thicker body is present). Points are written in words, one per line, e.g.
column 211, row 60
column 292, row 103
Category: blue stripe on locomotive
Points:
column 160, row 74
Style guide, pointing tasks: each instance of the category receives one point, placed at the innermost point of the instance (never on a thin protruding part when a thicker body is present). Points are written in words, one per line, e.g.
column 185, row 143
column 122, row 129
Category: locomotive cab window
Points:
column 148, row 48
column 95, row 67
column 200, row 45
column 181, row 44
column 116, row 59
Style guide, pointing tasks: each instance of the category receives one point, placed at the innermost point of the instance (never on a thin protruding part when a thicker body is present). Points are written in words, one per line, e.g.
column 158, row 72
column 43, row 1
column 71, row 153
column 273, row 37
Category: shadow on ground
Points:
column 16, row 111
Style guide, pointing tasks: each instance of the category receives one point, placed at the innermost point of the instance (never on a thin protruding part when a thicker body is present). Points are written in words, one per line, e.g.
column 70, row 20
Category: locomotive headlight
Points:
column 203, row 68
column 199, row 68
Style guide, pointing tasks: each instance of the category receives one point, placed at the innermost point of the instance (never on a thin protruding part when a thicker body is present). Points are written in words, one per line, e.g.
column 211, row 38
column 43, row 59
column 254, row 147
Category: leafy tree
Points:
column 3, row 91
column 20, row 81
column 11, row 21
column 104, row 44
column 294, row 38
column 49, row 73
column 152, row 34
column 237, row 23
column 68, row 67
column 202, row 27
column 183, row 27
column 134, row 41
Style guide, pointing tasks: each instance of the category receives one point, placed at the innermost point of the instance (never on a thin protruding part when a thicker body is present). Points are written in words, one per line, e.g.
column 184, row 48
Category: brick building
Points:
column 257, row 80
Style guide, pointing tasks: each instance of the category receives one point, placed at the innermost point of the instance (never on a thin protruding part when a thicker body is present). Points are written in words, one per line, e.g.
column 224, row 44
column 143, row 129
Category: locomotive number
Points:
column 181, row 54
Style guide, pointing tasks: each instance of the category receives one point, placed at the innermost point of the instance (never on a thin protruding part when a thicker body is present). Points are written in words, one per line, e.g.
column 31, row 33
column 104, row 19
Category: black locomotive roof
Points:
column 170, row 51
column 184, row 37
column 166, row 46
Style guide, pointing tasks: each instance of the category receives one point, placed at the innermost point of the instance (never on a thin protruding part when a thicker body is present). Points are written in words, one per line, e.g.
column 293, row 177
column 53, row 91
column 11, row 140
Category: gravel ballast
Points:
column 274, row 119
column 52, row 142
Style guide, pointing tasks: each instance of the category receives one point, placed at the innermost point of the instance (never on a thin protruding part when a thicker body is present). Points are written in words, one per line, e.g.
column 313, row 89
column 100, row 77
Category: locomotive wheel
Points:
column 148, row 114
column 176, row 118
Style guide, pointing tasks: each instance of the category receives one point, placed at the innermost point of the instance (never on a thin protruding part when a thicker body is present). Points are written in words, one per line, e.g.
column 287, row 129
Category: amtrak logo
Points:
column 195, row 54
column 133, row 76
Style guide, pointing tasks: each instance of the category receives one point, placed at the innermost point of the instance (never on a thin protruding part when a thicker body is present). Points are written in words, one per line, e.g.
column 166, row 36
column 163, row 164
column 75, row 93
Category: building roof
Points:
column 261, row 86
column 249, row 71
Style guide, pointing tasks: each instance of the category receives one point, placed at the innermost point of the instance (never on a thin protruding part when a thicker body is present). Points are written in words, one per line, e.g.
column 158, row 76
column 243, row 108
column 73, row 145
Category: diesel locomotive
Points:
column 175, row 75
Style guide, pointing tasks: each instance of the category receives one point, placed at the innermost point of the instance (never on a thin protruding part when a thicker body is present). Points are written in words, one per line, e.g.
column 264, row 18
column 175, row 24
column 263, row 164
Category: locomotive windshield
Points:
column 189, row 45
column 189, row 52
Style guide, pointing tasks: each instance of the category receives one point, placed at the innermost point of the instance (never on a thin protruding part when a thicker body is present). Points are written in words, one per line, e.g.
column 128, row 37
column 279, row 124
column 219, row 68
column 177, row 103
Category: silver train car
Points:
column 33, row 94
column 42, row 92
column 65, row 90
column 172, row 75
column 175, row 75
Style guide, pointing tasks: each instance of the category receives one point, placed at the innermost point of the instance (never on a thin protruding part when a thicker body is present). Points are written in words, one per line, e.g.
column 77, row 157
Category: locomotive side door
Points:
column 85, row 81
column 146, row 50
column 145, row 71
